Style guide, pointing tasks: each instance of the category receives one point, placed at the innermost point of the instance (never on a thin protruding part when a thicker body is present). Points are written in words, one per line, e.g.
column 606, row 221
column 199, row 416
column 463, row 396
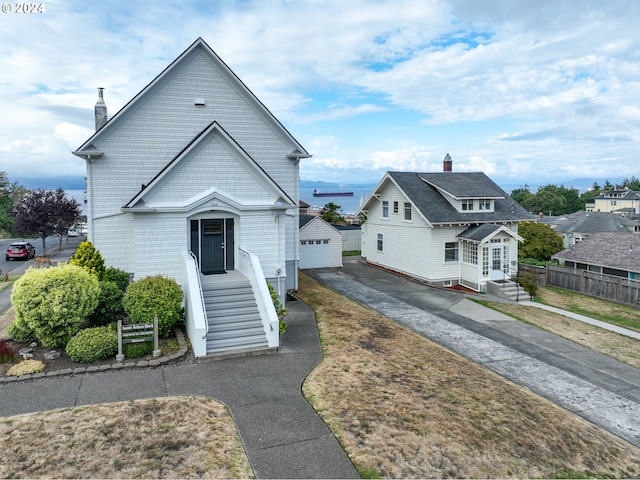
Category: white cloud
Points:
column 506, row 87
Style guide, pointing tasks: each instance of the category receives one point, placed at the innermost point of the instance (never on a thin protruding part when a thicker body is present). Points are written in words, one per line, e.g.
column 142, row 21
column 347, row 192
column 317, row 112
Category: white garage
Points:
column 320, row 243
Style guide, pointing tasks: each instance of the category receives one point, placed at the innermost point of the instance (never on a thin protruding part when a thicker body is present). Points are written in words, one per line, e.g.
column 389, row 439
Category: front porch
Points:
column 232, row 314
column 229, row 313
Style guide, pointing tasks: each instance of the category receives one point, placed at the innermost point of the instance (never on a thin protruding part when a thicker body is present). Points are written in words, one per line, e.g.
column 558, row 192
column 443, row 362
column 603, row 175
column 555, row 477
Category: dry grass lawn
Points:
column 403, row 406
column 177, row 437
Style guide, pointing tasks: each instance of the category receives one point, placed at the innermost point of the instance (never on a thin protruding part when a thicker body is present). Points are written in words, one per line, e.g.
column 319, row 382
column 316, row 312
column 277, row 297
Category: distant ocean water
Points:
column 348, row 204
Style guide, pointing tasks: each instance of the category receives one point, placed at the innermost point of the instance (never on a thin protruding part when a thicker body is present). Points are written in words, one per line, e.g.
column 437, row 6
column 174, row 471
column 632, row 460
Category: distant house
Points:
column 620, row 201
column 320, row 243
column 575, row 227
column 445, row 228
column 610, row 253
column 195, row 179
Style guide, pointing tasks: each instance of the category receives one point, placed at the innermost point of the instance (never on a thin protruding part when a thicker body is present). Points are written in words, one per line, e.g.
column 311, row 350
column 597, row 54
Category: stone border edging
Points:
column 156, row 362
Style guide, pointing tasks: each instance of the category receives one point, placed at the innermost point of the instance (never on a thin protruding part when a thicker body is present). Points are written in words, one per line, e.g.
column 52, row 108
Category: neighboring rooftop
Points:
column 606, row 249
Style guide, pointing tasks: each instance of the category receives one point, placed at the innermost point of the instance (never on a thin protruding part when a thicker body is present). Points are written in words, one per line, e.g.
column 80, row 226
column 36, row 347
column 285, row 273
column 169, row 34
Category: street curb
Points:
column 156, row 362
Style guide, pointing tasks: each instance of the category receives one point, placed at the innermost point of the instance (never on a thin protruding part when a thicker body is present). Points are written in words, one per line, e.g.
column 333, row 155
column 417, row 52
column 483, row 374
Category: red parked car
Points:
column 20, row 250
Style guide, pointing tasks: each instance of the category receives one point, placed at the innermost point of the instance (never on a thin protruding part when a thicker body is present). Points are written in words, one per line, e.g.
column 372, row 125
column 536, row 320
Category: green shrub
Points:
column 109, row 307
column 154, row 297
column 90, row 259
column 93, row 344
column 280, row 309
column 19, row 331
column 119, row 277
column 137, row 350
column 529, row 281
column 52, row 302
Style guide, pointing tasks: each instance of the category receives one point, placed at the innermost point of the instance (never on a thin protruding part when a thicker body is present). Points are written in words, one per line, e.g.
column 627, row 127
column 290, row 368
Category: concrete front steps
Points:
column 509, row 290
column 235, row 327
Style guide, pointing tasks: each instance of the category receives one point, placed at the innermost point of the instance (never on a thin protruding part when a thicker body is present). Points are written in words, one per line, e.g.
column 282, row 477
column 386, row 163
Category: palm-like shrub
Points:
column 52, row 302
column 154, row 297
column 87, row 257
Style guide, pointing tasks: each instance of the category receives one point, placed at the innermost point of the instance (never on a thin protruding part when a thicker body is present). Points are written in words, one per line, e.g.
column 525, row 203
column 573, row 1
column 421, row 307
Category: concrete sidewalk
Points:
column 282, row 435
column 594, row 386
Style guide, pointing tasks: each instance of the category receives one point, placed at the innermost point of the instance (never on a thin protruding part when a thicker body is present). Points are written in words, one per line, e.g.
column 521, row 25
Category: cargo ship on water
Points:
column 318, row 193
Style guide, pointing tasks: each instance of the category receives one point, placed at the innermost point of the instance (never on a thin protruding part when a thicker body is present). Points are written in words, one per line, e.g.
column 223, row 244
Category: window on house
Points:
column 484, row 204
column 385, row 209
column 380, row 245
column 467, row 205
column 485, row 261
column 451, row 252
column 407, row 211
column 470, row 253
column 395, row 207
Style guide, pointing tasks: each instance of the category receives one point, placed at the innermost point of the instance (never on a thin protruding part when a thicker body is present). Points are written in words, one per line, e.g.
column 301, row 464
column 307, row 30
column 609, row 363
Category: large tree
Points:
column 540, row 241
column 42, row 213
column 9, row 192
column 330, row 213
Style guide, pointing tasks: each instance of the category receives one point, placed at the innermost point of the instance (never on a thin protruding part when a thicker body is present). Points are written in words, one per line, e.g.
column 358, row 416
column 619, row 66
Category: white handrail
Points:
column 249, row 265
column 204, row 308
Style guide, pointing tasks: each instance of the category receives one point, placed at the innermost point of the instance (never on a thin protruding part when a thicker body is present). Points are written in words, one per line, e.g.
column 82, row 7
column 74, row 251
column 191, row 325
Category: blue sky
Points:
column 528, row 92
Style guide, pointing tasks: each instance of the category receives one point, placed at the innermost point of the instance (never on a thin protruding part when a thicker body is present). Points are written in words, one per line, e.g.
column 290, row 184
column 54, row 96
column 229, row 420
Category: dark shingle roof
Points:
column 304, row 219
column 592, row 222
column 436, row 209
column 479, row 232
column 464, row 184
column 606, row 249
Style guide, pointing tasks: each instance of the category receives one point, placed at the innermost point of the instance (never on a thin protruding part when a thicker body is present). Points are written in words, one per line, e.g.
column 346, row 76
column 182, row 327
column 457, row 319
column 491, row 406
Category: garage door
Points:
column 315, row 253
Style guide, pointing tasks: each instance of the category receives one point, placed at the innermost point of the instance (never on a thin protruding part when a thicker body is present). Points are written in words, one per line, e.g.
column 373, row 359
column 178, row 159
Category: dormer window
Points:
column 484, row 204
column 467, row 205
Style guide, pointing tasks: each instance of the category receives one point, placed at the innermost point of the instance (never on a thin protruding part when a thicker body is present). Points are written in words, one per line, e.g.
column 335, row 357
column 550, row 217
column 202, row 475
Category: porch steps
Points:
column 234, row 320
column 509, row 290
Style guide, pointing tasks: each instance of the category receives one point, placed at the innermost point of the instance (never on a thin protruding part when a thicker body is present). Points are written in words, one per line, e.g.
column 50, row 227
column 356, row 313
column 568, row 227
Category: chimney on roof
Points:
column 100, row 110
column 447, row 165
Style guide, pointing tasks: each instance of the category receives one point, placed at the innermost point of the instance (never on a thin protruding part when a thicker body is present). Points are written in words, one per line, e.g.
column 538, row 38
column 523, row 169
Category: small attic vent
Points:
column 199, row 102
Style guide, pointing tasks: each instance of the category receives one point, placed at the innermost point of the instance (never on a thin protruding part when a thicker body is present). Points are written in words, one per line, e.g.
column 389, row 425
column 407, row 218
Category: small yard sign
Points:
column 138, row 333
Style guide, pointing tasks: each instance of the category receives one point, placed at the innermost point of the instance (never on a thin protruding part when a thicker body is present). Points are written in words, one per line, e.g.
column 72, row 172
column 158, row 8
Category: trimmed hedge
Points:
column 154, row 297
column 93, row 344
column 52, row 302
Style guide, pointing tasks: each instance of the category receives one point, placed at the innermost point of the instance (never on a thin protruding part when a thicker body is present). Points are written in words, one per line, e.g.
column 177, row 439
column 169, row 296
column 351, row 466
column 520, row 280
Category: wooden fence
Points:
column 608, row 287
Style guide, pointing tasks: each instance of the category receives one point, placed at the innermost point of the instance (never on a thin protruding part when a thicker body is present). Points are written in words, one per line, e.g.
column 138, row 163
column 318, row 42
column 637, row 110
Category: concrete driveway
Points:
column 594, row 386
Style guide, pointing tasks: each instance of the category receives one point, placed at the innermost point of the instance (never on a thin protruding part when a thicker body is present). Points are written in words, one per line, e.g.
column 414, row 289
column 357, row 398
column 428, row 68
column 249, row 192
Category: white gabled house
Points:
column 196, row 180
column 445, row 228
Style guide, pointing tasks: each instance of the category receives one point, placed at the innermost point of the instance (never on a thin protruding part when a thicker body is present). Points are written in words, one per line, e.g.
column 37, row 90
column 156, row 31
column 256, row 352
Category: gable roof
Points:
column 486, row 231
column 606, row 249
column 213, row 129
column 305, row 220
column 464, row 184
column 592, row 222
column 223, row 69
column 425, row 191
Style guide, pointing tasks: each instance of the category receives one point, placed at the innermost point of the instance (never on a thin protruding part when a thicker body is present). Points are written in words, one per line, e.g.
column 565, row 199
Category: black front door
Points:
column 212, row 246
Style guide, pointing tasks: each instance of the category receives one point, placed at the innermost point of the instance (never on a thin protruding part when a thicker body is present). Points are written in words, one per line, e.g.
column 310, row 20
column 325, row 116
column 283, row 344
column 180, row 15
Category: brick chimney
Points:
column 447, row 165
column 100, row 111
